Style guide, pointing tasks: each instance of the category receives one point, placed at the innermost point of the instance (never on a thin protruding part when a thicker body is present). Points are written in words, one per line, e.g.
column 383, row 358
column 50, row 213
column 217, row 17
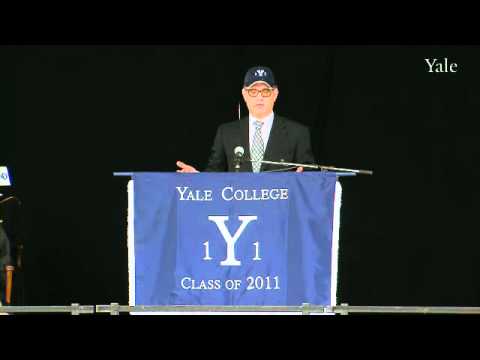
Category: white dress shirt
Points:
column 266, row 128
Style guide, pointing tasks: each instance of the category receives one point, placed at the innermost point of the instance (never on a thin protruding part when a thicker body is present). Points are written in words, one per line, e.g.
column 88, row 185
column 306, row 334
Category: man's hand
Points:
column 299, row 169
column 184, row 168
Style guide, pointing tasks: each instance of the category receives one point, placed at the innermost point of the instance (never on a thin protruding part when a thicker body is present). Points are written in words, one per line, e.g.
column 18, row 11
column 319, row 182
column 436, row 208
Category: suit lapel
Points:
column 275, row 141
column 244, row 137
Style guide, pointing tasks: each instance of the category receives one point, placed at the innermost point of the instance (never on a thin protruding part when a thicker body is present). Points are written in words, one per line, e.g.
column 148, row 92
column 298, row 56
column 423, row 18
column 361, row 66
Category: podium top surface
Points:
column 130, row 174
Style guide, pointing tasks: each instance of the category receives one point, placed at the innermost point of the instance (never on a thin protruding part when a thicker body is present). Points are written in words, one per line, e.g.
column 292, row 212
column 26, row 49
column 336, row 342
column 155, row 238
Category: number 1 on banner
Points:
column 207, row 252
column 257, row 257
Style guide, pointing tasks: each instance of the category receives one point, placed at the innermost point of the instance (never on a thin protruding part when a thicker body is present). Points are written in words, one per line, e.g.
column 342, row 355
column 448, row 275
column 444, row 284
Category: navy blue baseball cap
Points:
column 259, row 74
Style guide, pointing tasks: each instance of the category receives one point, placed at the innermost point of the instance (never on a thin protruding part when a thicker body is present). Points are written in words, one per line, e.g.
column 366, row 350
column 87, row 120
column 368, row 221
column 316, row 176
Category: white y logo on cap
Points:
column 260, row 73
column 4, row 178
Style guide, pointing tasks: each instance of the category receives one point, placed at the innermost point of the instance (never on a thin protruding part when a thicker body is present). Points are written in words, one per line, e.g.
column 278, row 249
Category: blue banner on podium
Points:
column 233, row 238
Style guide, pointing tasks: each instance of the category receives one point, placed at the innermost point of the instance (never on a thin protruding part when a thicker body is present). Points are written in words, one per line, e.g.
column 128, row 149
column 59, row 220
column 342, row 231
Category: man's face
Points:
column 258, row 104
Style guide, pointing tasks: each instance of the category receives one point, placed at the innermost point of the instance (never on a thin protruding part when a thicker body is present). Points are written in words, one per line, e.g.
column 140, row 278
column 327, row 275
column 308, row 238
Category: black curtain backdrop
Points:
column 72, row 115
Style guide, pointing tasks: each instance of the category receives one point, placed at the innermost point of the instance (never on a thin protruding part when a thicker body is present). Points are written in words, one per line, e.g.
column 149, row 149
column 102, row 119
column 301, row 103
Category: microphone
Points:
column 239, row 151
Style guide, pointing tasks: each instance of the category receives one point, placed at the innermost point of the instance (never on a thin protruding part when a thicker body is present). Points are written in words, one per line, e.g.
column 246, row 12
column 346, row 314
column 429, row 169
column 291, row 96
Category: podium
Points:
column 233, row 239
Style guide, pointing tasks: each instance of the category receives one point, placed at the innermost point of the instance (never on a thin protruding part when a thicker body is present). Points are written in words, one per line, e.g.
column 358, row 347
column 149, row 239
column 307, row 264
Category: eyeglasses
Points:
column 265, row 92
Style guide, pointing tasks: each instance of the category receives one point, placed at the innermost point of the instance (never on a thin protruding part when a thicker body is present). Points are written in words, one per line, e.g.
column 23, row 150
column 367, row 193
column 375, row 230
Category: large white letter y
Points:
column 220, row 221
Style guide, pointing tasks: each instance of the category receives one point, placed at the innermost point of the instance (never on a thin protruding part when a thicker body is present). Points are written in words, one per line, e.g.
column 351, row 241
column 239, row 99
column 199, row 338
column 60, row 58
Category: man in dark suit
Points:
column 4, row 259
column 263, row 134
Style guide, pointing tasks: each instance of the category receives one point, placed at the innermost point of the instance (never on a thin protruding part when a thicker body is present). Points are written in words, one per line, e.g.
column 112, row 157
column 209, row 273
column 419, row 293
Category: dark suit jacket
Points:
column 288, row 140
column 4, row 260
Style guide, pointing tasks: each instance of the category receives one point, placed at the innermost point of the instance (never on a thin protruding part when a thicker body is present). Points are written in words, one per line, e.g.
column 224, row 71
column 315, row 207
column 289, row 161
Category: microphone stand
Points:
column 237, row 164
column 10, row 198
column 316, row 167
column 238, row 157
